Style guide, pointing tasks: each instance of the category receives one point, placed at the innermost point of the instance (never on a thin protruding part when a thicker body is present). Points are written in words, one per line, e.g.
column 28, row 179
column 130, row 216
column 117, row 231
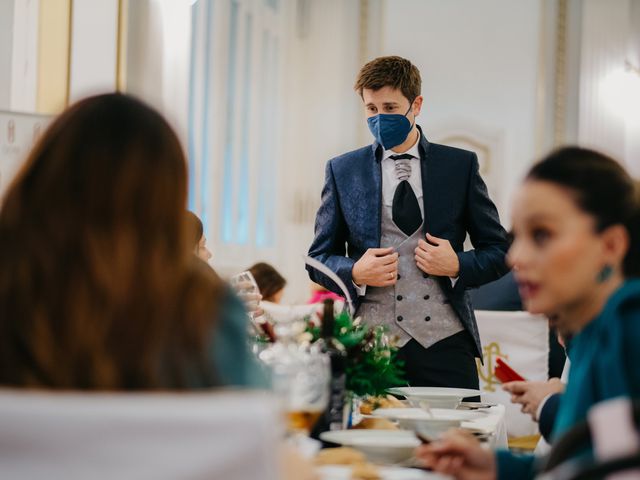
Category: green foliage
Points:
column 372, row 364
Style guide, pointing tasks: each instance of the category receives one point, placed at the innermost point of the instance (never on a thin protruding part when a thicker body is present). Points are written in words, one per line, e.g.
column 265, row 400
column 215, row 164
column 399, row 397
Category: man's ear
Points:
column 417, row 105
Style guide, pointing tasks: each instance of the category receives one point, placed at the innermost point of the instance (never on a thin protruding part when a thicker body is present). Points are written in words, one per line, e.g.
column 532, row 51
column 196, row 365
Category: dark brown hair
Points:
column 268, row 279
column 99, row 288
column 395, row 72
column 602, row 188
column 195, row 229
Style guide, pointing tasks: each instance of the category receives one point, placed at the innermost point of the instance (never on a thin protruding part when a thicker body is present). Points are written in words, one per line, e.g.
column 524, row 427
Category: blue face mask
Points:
column 390, row 129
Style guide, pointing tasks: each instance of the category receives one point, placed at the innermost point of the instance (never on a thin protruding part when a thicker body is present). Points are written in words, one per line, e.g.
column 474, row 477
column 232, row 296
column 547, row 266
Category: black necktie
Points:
column 405, row 210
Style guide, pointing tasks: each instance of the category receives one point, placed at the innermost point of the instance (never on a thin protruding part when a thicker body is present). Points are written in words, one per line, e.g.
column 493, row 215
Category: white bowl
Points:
column 381, row 446
column 430, row 425
column 434, row 397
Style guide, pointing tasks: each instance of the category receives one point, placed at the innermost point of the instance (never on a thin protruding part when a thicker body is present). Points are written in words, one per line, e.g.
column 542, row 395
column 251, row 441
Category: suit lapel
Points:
column 429, row 185
column 376, row 197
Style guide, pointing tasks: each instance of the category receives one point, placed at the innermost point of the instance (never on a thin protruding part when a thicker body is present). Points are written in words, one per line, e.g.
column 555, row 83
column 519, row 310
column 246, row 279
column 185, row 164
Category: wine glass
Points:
column 247, row 289
column 300, row 376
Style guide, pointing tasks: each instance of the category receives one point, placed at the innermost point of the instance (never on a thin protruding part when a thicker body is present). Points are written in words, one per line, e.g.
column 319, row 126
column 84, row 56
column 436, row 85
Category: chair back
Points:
column 522, row 341
column 211, row 435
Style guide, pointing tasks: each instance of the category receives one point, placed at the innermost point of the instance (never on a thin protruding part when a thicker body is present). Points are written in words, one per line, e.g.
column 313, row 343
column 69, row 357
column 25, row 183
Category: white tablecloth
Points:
column 387, row 473
column 493, row 422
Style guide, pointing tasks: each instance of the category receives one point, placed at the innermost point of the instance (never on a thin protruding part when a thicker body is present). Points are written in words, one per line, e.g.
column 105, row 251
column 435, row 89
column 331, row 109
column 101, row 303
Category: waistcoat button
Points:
column 399, row 318
column 427, row 318
column 399, row 297
column 427, row 297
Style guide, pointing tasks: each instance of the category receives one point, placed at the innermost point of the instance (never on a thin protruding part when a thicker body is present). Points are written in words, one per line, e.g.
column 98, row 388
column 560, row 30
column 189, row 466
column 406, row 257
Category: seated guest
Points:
column 270, row 283
column 499, row 295
column 576, row 223
column 319, row 294
column 99, row 288
column 197, row 238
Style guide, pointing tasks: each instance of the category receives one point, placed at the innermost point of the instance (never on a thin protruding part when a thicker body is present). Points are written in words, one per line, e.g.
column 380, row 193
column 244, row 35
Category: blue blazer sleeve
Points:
column 486, row 262
column 329, row 244
column 548, row 416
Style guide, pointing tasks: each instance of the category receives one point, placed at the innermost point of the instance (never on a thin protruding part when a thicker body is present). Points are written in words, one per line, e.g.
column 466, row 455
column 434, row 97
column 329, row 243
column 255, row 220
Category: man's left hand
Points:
column 437, row 257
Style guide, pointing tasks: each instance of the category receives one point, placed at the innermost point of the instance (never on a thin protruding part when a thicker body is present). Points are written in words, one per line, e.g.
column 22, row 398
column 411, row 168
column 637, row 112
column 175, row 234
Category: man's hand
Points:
column 530, row 394
column 378, row 267
column 437, row 257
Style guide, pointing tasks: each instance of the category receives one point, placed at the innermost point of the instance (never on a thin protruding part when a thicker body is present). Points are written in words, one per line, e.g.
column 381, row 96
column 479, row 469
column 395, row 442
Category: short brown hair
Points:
column 395, row 72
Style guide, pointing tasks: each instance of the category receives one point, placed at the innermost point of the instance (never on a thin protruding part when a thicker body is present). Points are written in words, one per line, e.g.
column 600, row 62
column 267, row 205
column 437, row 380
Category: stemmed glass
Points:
column 247, row 289
column 299, row 375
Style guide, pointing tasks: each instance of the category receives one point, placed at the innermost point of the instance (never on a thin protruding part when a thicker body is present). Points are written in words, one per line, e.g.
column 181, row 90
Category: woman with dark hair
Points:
column 197, row 238
column 270, row 283
column 576, row 248
column 99, row 288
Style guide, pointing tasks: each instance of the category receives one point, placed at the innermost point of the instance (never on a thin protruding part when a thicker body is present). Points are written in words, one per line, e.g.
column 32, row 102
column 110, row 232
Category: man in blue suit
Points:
column 392, row 223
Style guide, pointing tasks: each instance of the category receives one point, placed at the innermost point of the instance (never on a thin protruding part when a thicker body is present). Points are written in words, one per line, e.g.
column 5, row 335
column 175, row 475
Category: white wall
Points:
column 24, row 56
column 94, row 47
column 610, row 95
column 322, row 120
column 6, row 50
column 158, row 56
column 633, row 125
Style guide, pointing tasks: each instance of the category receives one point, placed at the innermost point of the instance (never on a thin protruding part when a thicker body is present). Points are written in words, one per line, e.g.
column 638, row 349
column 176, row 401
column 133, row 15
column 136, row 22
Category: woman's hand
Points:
column 459, row 454
column 531, row 394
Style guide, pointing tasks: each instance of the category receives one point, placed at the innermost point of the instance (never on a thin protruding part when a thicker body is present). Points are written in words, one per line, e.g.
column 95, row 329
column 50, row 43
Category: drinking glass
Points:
column 247, row 289
column 300, row 376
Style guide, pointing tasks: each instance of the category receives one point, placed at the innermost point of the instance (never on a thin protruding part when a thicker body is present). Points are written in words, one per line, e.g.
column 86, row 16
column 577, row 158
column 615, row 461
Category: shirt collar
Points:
column 412, row 151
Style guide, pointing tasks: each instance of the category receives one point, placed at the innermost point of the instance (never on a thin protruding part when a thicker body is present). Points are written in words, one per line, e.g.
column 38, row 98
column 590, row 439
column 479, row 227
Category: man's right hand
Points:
column 531, row 394
column 378, row 267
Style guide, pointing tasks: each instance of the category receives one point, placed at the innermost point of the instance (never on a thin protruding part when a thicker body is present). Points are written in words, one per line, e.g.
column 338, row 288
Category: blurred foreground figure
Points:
column 99, row 287
column 575, row 254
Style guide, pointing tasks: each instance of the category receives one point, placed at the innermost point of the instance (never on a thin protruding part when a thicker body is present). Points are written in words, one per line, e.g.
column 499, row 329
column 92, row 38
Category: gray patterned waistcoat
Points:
column 415, row 307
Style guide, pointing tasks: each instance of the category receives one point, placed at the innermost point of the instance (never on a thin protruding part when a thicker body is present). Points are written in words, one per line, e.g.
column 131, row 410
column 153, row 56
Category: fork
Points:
column 423, row 438
column 425, row 406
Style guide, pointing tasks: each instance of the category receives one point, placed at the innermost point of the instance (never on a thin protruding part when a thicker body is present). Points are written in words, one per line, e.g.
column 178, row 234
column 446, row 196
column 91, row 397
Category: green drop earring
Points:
column 604, row 274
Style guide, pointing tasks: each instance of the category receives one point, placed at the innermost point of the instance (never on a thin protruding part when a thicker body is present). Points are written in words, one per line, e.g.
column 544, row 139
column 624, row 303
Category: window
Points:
column 234, row 123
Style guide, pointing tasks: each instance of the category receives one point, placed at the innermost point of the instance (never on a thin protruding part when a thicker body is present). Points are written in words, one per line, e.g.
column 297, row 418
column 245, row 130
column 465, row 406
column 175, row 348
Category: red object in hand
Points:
column 505, row 373
column 268, row 330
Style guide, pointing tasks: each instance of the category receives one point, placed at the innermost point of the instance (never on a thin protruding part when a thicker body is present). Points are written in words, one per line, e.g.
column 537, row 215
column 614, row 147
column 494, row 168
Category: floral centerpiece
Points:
column 372, row 363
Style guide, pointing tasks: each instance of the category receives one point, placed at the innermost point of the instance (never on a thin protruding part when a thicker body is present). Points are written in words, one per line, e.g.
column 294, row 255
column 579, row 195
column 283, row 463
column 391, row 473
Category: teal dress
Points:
column 605, row 359
column 235, row 364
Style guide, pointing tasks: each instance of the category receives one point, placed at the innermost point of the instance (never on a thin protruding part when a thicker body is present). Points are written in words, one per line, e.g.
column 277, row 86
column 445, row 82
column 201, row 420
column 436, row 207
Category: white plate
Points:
column 383, row 446
column 439, row 397
column 434, row 392
column 335, row 472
